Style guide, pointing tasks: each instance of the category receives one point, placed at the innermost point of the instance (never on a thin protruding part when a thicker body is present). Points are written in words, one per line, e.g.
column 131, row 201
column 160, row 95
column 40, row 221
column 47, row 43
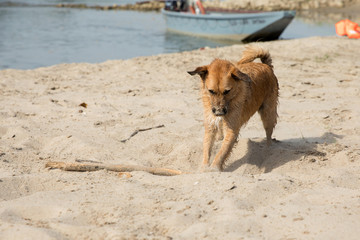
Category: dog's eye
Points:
column 211, row 91
column 226, row 92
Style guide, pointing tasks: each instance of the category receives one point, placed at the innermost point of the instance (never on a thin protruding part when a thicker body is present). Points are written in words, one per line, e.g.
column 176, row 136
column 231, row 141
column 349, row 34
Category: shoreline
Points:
column 305, row 186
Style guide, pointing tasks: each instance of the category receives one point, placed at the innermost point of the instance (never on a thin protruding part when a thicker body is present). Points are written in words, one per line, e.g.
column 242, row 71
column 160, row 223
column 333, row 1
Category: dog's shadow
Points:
column 257, row 157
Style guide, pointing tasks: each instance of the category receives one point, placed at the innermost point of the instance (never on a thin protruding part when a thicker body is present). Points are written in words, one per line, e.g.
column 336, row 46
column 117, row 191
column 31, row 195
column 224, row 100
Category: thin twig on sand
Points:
column 88, row 161
column 141, row 130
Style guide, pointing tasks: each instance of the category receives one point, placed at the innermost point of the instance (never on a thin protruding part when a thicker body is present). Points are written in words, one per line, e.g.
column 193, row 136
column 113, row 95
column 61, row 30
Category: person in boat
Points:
column 184, row 6
column 196, row 7
column 173, row 5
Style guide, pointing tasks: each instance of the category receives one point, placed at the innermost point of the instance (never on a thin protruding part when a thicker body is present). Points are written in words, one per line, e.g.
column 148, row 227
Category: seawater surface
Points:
column 35, row 35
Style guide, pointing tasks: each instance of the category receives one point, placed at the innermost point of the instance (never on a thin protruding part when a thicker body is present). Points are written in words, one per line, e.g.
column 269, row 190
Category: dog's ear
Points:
column 237, row 75
column 202, row 71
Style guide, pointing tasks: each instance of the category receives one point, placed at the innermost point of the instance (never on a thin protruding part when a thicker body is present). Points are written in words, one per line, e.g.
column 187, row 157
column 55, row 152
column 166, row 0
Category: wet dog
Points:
column 231, row 94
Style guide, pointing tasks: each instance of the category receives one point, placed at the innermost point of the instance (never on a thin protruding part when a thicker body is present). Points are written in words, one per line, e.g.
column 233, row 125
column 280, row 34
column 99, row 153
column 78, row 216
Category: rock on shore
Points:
column 140, row 6
column 272, row 5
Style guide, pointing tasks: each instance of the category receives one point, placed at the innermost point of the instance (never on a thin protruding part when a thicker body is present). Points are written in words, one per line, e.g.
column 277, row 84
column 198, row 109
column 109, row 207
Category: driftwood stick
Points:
column 152, row 170
column 77, row 167
column 141, row 130
column 82, row 167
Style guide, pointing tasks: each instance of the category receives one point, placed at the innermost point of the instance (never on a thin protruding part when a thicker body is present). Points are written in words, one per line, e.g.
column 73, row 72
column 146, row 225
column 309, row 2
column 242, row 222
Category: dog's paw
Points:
column 269, row 142
column 204, row 168
column 211, row 169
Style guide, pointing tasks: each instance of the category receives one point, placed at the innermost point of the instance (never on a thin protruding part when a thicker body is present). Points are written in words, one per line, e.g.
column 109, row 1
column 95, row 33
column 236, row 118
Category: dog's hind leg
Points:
column 268, row 114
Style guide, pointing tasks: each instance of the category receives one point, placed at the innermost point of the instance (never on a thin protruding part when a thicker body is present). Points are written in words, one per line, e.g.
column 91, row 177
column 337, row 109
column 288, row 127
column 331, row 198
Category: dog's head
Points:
column 221, row 83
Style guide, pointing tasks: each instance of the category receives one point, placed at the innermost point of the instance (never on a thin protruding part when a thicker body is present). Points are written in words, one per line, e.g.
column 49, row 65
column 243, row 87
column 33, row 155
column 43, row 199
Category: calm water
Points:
column 37, row 36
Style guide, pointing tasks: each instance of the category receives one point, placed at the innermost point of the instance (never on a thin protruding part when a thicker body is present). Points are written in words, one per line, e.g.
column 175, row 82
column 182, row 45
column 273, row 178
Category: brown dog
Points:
column 231, row 94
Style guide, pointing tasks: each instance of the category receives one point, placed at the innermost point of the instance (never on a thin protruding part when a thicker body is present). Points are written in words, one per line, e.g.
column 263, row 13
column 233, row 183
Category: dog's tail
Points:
column 253, row 52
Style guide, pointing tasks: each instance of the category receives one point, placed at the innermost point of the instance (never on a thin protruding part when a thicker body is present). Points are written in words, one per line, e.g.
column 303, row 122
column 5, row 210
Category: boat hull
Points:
column 234, row 26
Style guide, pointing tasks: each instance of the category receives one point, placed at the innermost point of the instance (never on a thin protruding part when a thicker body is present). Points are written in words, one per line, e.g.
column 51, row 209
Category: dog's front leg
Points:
column 222, row 155
column 209, row 138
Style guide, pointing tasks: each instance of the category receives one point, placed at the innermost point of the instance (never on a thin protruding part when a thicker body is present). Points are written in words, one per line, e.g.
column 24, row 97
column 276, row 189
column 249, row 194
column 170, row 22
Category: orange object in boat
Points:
column 347, row 27
column 340, row 27
column 192, row 10
column 352, row 30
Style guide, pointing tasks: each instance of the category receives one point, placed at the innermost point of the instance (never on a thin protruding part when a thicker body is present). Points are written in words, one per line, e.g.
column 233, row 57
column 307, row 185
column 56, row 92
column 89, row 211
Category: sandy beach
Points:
column 305, row 186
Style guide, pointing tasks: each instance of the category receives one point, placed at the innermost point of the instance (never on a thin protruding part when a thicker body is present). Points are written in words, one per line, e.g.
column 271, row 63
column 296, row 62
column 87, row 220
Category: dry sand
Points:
column 306, row 186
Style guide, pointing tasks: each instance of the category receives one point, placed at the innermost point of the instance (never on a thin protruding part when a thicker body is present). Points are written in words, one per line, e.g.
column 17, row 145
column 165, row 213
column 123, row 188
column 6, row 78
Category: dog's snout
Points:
column 219, row 111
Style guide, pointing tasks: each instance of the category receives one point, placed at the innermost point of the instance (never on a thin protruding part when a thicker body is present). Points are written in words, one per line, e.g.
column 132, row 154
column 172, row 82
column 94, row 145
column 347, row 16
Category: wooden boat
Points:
column 240, row 26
